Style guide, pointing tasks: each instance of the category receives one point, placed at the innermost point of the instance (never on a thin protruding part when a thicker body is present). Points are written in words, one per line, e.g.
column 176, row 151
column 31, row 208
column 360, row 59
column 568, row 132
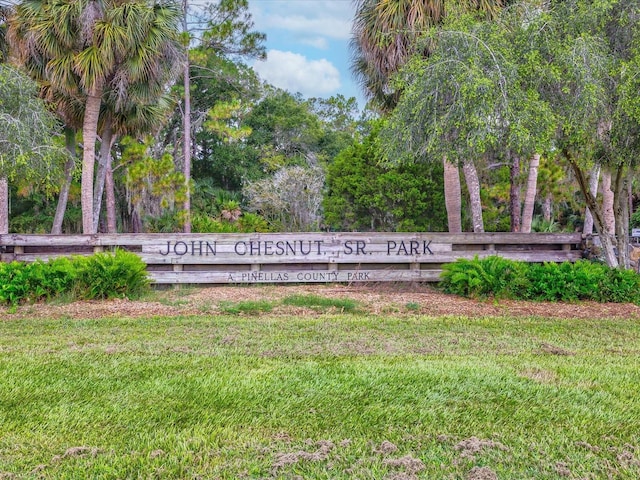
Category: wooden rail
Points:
column 297, row 257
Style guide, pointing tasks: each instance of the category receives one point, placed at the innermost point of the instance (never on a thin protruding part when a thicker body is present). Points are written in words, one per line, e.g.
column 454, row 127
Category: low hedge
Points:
column 498, row 277
column 99, row 276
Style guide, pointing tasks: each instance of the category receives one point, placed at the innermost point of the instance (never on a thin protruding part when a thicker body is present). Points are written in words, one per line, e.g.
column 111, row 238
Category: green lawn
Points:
column 325, row 397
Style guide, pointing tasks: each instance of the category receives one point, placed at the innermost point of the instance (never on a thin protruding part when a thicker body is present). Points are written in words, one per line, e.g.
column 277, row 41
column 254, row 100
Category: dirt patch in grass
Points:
column 409, row 464
column 473, row 446
column 386, row 448
column 373, row 299
column 481, row 473
column 323, row 448
column 554, row 350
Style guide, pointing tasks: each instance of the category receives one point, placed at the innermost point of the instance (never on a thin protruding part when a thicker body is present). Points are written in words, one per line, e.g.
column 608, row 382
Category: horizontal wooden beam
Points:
column 295, row 276
column 131, row 239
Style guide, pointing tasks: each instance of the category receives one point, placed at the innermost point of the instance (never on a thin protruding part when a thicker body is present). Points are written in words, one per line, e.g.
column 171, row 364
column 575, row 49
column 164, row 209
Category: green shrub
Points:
column 549, row 282
column 31, row 282
column 61, row 275
column 621, row 286
column 567, row 282
column 491, row 276
column 107, row 275
column 14, row 286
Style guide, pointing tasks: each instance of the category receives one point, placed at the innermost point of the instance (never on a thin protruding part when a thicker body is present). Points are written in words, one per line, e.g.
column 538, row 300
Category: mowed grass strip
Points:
column 333, row 396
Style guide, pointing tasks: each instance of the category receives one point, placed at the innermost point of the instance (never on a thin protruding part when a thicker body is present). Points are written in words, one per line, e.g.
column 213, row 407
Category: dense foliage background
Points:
column 515, row 117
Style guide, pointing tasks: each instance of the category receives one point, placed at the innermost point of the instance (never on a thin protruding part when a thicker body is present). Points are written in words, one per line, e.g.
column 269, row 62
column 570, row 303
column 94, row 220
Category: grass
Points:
column 333, row 396
column 249, row 307
column 321, row 303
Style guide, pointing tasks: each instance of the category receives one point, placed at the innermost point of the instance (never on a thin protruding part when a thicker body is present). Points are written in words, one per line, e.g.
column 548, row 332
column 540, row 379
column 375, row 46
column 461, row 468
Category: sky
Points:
column 307, row 46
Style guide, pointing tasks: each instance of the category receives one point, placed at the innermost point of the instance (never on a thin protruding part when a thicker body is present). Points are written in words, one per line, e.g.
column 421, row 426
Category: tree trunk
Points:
column 547, row 207
column 89, row 135
column 63, row 198
column 607, row 202
column 473, row 186
column 103, row 161
column 110, row 198
column 514, row 193
column 452, row 196
column 4, row 206
column 187, row 130
column 594, row 177
column 530, row 195
column 598, row 220
column 621, row 211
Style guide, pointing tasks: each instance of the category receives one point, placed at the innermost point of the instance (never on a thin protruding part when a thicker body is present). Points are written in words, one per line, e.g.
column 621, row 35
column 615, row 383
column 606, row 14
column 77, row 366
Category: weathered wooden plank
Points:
column 154, row 259
column 278, row 247
column 227, row 259
column 295, row 276
column 14, row 239
column 32, row 257
column 328, row 238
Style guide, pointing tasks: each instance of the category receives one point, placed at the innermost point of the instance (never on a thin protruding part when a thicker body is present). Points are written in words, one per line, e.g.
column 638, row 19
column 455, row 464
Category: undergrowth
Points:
column 99, row 276
column 498, row 277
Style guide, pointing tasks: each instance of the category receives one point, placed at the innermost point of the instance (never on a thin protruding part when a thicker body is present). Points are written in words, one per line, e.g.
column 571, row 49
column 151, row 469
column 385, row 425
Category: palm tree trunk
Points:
column 594, row 179
column 187, row 129
column 452, row 196
column 473, row 186
column 89, row 135
column 4, row 206
column 514, row 193
column 63, row 198
column 530, row 195
column 110, row 198
column 103, row 160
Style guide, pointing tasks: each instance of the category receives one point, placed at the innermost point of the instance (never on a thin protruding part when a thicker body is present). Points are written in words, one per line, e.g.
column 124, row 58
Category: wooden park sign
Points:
column 298, row 257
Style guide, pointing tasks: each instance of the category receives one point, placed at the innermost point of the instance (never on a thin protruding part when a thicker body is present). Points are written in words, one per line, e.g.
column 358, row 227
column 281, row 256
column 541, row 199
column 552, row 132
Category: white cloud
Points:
column 296, row 73
column 329, row 18
column 331, row 27
column 317, row 42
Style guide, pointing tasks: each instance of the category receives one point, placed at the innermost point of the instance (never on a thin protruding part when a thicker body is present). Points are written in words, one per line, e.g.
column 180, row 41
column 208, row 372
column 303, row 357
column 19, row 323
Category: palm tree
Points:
column 386, row 33
column 144, row 113
column 90, row 46
column 530, row 195
column 4, row 46
column 385, row 36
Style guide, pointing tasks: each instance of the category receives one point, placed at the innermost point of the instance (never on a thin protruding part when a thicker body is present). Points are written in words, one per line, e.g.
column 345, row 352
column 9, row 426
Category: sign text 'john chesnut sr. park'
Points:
column 296, row 248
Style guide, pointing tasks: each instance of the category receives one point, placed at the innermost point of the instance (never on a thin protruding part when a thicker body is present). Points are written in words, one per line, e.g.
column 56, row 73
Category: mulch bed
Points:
column 373, row 299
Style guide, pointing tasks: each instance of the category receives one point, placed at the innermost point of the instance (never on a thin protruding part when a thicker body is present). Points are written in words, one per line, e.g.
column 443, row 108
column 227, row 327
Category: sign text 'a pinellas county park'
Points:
column 295, row 248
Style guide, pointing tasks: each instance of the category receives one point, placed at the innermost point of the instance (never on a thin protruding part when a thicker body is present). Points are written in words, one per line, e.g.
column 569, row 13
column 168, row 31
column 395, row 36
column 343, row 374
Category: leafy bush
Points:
column 567, row 282
column 14, row 286
column 247, row 223
column 106, row 275
column 490, row 276
column 30, row 282
column 99, row 276
column 621, row 286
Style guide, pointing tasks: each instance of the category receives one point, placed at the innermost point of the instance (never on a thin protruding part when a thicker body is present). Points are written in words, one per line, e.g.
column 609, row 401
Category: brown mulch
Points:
column 373, row 299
